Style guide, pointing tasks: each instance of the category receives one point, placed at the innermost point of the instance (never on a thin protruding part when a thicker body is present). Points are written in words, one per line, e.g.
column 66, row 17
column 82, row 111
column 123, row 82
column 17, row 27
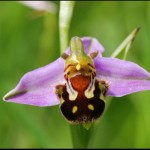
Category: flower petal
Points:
column 37, row 87
column 40, row 5
column 124, row 77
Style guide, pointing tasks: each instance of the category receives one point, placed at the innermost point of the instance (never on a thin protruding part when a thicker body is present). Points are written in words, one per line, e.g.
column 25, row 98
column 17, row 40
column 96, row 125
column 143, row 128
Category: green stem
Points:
column 65, row 15
column 80, row 136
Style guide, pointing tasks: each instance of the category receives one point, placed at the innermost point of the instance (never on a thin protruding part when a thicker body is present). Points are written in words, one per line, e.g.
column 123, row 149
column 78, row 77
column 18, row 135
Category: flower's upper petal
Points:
column 37, row 87
column 90, row 45
column 123, row 77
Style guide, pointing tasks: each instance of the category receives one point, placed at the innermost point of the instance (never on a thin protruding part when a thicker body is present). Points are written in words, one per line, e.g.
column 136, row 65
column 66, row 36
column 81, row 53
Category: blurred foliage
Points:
column 29, row 40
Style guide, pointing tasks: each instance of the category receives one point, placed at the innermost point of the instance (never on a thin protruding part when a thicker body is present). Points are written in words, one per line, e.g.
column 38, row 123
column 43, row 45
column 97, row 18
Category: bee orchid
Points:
column 79, row 81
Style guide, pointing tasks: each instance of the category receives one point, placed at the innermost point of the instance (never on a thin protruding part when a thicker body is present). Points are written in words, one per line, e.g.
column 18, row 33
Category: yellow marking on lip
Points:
column 74, row 109
column 102, row 97
column 62, row 100
column 91, row 107
column 78, row 67
column 89, row 92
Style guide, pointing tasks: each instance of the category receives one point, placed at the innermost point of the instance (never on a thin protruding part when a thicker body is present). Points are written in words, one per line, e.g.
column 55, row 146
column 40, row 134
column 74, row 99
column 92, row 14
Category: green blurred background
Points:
column 29, row 40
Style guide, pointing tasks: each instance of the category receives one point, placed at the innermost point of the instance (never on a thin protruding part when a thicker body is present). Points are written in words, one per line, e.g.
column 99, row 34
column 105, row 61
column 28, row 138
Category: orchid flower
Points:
column 79, row 81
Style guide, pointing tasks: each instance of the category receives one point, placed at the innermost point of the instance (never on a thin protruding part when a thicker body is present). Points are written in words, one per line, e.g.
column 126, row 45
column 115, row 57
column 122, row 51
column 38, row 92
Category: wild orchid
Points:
column 79, row 81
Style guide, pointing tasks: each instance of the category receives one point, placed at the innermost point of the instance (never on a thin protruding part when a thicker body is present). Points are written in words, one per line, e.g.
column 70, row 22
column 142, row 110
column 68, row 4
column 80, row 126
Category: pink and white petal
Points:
column 91, row 45
column 123, row 77
column 40, row 5
column 37, row 87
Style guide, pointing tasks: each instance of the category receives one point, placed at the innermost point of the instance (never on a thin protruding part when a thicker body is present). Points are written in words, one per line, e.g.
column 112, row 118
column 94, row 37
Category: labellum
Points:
column 82, row 97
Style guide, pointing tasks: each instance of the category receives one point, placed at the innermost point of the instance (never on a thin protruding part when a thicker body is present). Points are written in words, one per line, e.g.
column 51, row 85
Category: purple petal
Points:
column 37, row 87
column 123, row 77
